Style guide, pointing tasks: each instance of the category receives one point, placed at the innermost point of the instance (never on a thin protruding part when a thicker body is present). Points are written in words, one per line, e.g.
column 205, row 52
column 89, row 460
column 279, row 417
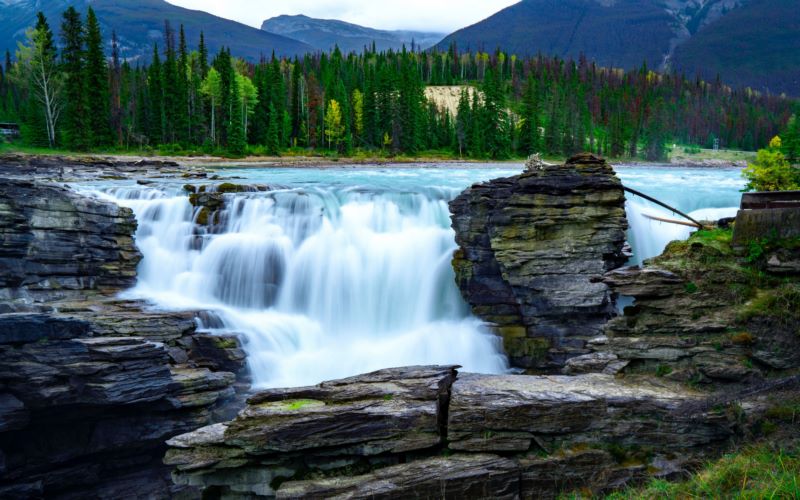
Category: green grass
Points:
column 781, row 304
column 756, row 472
column 300, row 404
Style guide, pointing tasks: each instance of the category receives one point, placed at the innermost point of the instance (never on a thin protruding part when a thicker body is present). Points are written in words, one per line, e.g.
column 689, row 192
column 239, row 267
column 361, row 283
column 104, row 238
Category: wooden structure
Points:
column 776, row 199
column 767, row 215
column 9, row 130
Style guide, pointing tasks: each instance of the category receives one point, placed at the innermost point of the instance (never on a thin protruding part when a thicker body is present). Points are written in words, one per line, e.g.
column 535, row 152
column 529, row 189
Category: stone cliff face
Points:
column 91, row 386
column 425, row 432
column 55, row 243
column 533, row 250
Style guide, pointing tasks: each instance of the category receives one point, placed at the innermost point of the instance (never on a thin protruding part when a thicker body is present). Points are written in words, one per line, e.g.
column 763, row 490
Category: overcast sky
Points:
column 424, row 15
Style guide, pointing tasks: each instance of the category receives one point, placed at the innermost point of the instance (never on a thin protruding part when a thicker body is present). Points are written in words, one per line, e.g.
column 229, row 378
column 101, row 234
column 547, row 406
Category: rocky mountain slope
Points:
column 706, row 36
column 139, row 24
column 324, row 34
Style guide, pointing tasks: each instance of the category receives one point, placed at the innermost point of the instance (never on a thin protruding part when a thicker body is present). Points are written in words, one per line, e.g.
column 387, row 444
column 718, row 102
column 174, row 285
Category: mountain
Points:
column 324, row 34
column 746, row 42
column 140, row 23
column 757, row 45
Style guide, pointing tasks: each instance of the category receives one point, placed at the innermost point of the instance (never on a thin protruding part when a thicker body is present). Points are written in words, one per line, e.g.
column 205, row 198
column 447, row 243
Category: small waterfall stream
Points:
column 346, row 272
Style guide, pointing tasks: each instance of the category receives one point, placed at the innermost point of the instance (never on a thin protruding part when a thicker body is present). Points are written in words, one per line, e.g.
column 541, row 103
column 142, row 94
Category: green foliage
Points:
column 96, row 75
column 790, row 140
column 663, row 370
column 759, row 471
column 771, row 172
column 510, row 107
column 780, row 305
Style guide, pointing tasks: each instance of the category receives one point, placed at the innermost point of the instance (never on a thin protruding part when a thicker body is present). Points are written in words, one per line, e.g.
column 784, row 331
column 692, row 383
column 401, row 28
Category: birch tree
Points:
column 211, row 87
column 38, row 69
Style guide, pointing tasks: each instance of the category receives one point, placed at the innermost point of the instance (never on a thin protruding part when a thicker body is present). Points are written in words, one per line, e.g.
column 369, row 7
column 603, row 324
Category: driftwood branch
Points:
column 661, row 203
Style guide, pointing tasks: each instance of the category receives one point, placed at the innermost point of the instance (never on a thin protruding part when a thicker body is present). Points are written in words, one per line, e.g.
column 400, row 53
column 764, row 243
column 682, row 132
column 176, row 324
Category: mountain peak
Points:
column 324, row 34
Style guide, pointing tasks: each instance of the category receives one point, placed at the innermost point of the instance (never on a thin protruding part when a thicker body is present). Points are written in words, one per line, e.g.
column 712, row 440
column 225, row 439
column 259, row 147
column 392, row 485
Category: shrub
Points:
column 771, row 171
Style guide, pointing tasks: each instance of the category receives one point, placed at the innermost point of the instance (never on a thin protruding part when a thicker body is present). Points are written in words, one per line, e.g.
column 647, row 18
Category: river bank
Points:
column 701, row 159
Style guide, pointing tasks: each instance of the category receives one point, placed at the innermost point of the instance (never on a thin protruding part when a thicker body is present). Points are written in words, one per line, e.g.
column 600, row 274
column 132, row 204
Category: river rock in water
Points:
column 533, row 250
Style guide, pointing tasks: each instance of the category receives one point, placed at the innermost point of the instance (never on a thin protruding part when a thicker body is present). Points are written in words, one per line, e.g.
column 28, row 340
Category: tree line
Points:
column 66, row 92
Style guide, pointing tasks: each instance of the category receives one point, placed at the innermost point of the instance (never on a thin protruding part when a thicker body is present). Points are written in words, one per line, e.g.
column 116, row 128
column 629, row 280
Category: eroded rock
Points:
column 532, row 251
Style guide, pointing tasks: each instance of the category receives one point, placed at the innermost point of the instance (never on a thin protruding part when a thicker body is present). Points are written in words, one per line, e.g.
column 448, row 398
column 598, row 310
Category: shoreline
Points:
column 218, row 162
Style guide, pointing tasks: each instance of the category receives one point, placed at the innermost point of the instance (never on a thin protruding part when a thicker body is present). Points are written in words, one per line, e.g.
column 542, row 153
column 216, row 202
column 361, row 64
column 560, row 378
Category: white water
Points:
column 343, row 271
column 703, row 194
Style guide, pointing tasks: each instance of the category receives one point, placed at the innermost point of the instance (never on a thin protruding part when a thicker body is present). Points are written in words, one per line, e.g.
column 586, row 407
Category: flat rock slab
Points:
column 383, row 435
column 514, row 413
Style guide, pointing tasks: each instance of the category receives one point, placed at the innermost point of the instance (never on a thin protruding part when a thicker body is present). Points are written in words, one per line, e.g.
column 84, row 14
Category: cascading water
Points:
column 321, row 282
column 704, row 194
column 342, row 271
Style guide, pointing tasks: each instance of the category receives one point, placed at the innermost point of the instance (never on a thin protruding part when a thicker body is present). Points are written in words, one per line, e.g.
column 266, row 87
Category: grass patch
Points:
column 759, row 471
column 781, row 304
column 294, row 404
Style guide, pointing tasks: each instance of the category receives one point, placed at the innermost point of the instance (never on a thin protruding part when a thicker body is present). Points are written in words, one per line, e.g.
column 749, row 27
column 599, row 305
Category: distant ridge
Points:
column 140, row 23
column 324, row 34
column 752, row 43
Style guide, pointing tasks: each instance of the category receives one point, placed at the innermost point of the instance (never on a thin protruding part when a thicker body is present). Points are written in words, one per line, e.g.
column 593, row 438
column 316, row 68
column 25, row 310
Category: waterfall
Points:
column 336, row 272
column 704, row 194
column 321, row 283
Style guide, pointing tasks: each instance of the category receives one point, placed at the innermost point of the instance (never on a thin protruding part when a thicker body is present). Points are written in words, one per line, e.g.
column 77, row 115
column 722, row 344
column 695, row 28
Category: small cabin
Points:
column 9, row 130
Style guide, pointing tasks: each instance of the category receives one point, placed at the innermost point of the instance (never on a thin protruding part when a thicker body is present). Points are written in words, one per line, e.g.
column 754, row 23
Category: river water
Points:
column 339, row 271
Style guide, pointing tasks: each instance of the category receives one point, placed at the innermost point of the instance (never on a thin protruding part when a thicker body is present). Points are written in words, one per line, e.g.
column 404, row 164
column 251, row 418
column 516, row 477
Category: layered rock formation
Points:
column 430, row 432
column 56, row 242
column 92, row 386
column 533, row 250
column 706, row 313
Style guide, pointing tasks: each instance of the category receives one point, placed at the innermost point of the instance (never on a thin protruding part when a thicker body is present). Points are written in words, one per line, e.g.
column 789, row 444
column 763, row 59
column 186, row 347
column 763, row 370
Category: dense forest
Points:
column 66, row 93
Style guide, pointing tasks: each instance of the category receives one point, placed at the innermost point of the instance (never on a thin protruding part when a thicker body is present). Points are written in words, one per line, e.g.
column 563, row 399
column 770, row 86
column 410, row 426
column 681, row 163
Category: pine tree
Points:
column 463, row 119
column 790, row 140
column 155, row 109
column 77, row 124
column 182, row 118
column 97, row 83
column 237, row 142
column 171, row 89
column 530, row 137
column 273, row 141
column 116, row 90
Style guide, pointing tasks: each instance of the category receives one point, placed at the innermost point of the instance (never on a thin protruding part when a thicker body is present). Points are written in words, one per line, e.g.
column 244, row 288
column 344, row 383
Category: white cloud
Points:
column 424, row 15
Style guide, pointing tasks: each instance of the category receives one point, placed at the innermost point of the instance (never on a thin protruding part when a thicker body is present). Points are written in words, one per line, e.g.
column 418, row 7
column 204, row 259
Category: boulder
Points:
column 532, row 251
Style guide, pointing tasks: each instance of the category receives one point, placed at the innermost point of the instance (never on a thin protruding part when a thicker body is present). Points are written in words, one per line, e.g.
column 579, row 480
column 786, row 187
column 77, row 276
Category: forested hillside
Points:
column 753, row 43
column 194, row 100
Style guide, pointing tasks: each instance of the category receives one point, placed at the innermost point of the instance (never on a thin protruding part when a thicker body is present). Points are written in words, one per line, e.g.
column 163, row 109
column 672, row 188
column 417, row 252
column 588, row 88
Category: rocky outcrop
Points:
column 704, row 312
column 56, row 243
column 533, row 250
column 424, row 432
column 91, row 386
